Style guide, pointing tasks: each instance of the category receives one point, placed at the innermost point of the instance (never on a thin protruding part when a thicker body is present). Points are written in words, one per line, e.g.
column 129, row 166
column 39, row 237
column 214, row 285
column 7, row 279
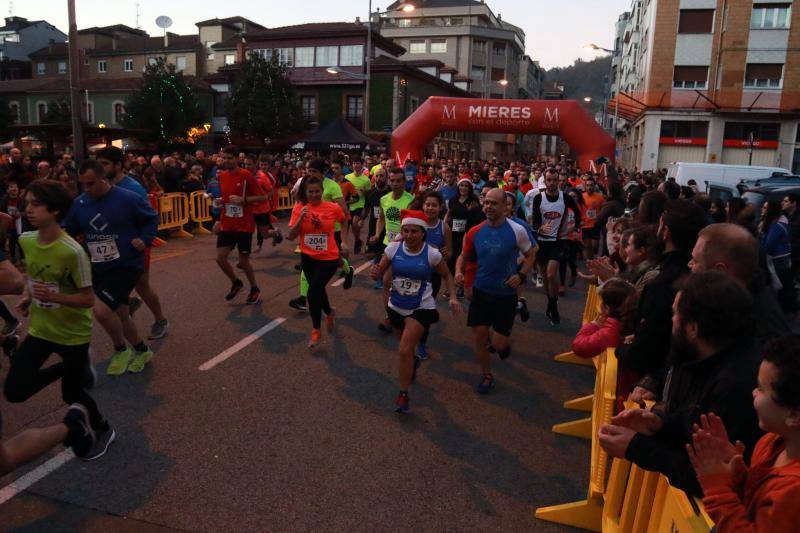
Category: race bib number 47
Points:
column 103, row 251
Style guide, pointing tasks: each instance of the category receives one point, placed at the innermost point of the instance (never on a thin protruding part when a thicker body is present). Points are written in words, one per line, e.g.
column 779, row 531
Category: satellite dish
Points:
column 163, row 22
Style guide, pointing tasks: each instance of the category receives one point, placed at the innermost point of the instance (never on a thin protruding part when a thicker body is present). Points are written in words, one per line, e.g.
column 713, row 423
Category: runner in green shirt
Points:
column 59, row 299
column 391, row 205
column 362, row 184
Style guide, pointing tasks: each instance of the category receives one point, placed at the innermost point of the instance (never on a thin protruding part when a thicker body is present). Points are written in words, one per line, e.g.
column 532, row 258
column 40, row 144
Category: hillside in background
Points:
column 583, row 78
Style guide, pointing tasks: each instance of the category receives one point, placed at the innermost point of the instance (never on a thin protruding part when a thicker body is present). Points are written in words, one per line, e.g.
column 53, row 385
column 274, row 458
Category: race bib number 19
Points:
column 406, row 286
column 103, row 251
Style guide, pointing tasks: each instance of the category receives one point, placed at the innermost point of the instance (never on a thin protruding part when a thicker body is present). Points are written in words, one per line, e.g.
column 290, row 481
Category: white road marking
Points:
column 37, row 474
column 360, row 268
column 230, row 352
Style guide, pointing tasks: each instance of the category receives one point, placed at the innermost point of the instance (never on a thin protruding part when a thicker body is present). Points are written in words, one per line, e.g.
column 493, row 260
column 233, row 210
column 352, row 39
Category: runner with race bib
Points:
column 313, row 223
column 410, row 263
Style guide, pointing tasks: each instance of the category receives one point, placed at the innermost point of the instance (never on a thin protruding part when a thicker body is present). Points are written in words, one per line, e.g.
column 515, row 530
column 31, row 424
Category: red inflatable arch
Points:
column 565, row 118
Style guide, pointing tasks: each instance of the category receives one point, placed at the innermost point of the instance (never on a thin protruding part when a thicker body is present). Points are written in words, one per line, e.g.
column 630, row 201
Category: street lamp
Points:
column 594, row 47
column 587, row 99
column 503, row 82
column 353, row 75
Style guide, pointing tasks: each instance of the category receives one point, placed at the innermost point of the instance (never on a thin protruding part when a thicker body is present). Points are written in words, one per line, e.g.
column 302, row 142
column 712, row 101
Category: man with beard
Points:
column 714, row 368
column 646, row 352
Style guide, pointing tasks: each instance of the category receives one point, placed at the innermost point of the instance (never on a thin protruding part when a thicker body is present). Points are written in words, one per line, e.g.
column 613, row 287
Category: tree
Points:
column 165, row 106
column 263, row 103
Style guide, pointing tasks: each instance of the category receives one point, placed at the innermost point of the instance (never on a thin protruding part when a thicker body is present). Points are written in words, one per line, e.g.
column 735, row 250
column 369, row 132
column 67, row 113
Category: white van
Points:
column 708, row 174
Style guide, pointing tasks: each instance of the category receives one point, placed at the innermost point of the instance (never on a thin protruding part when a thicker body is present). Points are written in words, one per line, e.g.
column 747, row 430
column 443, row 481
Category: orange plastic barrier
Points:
column 590, row 311
column 154, row 203
column 173, row 213
column 200, row 211
column 285, row 200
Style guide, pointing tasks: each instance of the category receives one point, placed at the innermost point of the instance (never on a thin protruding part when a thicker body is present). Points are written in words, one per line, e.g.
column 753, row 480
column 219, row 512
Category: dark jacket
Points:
column 722, row 384
column 794, row 234
column 769, row 321
column 653, row 326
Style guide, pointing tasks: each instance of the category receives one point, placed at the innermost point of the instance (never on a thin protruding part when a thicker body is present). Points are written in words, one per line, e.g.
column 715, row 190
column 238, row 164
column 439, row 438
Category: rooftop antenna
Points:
column 138, row 15
column 164, row 22
column 11, row 8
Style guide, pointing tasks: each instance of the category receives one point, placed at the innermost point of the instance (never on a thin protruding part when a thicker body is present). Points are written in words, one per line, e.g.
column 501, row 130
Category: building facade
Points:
column 18, row 38
column 714, row 81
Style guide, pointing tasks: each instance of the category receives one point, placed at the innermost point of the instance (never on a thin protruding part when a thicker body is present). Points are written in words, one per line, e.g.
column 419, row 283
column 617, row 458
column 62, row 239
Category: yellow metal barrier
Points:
column 590, row 311
column 173, row 212
column 588, row 513
column 199, row 211
column 285, row 199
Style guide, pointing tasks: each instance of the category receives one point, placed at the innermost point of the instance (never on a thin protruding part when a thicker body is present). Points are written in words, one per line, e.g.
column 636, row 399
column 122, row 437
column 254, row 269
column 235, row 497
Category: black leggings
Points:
column 5, row 314
column 318, row 273
column 26, row 376
column 569, row 257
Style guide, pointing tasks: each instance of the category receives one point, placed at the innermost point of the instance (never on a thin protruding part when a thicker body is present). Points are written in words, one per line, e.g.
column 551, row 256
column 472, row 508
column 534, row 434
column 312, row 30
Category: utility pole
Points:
column 74, row 87
column 365, row 120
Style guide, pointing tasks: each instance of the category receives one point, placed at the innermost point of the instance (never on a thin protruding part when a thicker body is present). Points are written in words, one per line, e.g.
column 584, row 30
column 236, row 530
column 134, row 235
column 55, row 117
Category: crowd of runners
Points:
column 688, row 287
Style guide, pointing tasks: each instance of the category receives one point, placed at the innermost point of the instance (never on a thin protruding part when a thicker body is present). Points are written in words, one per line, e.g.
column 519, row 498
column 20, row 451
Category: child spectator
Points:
column 763, row 498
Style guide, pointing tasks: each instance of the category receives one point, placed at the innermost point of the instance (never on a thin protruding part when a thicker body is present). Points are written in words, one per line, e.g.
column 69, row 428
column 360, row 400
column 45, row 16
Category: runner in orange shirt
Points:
column 313, row 221
column 594, row 201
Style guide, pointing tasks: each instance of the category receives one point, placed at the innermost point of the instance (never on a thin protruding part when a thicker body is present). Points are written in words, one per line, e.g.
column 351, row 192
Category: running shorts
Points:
column 113, row 287
column 358, row 212
column 235, row 239
column 495, row 311
column 426, row 317
column 550, row 251
column 262, row 220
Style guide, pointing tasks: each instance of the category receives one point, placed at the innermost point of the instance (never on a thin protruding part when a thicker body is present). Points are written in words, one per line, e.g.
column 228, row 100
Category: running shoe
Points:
column 254, row 297
column 316, row 335
column 486, row 384
column 522, row 308
column 236, row 286
column 348, row 278
column 10, row 345
column 539, row 281
column 329, row 320
column 401, row 404
column 357, row 247
column 299, row 303
column 80, row 435
column 277, row 238
column 10, row 327
column 140, row 360
column 159, row 329
column 555, row 317
column 90, row 375
column 119, row 362
column 422, row 351
column 134, row 304
column 104, row 436
column 460, row 293
column 378, row 284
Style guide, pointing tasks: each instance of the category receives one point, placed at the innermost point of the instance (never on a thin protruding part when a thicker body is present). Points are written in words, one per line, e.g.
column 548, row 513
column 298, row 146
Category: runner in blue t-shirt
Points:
column 495, row 246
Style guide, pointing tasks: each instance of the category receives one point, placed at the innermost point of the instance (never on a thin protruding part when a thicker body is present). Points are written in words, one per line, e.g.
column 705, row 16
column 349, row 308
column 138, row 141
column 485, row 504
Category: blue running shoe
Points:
column 422, row 351
column 486, row 384
column 378, row 285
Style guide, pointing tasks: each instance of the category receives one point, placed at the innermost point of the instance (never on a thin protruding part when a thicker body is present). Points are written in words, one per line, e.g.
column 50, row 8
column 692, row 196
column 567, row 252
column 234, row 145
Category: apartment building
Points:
column 18, row 38
column 469, row 37
column 714, row 81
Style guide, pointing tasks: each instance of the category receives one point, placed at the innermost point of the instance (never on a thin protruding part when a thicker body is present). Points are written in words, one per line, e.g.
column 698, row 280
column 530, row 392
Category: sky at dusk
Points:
column 555, row 31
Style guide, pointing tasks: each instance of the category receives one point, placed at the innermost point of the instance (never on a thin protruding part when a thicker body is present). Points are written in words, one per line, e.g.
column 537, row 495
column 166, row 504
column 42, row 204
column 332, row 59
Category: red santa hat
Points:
column 410, row 216
column 465, row 179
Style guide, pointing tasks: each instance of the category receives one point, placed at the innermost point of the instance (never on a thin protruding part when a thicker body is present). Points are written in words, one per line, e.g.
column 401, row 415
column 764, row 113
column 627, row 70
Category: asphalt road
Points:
column 280, row 438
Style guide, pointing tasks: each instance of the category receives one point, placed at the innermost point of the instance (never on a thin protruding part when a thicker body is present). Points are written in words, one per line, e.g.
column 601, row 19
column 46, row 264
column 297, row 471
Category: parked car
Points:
column 758, row 196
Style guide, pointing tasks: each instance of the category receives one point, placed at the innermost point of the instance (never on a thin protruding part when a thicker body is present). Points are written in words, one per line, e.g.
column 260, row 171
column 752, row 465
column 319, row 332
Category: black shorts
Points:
column 591, row 233
column 262, row 220
column 358, row 212
column 426, row 317
column 235, row 239
column 550, row 251
column 113, row 287
column 337, row 237
column 496, row 311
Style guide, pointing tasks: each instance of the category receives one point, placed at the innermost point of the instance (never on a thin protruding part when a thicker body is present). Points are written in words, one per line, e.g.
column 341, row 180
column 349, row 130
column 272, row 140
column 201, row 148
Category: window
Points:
column 684, row 129
column 304, row 57
column 210, row 56
column 696, row 21
column 417, row 47
column 690, row 77
column 88, row 111
column 308, row 104
column 454, row 21
column 327, row 56
column 285, row 56
column 180, row 63
column 152, row 61
column 763, row 75
column 769, row 16
column 351, row 56
column 499, row 49
column 102, row 66
column 11, row 38
column 404, row 23
column 741, row 131
column 40, row 68
column 498, row 74
column 119, row 112
column 414, row 103
column 13, row 108
column 355, row 109
column 41, row 112
column 478, row 73
column 264, row 53
column 127, row 65
column 62, row 67
column 86, row 60
column 438, row 46
column 478, row 46
column 230, row 59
